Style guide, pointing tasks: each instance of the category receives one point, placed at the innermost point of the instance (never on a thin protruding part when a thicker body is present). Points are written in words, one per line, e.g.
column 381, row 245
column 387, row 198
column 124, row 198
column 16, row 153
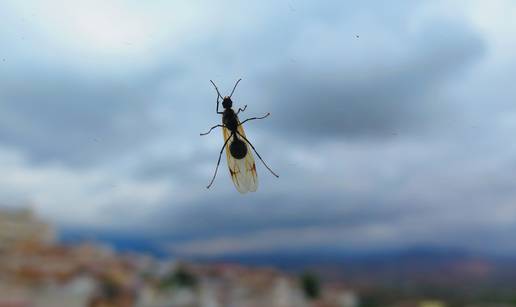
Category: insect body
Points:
column 238, row 148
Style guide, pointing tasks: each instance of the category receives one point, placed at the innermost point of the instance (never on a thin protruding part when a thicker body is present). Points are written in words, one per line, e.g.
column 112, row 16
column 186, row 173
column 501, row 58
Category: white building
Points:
column 22, row 226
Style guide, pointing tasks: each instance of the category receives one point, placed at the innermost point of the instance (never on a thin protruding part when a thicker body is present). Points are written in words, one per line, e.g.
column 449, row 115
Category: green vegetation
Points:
column 180, row 278
column 311, row 285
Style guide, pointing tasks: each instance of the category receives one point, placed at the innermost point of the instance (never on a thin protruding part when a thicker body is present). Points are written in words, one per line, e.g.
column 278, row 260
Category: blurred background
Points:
column 392, row 129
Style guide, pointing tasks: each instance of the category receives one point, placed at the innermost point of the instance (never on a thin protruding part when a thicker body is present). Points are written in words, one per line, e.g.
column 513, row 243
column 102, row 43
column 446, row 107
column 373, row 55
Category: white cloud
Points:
column 78, row 198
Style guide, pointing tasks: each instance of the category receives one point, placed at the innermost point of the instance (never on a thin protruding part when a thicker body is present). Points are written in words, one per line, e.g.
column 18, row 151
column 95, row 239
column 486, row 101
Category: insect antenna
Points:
column 259, row 157
column 217, row 89
column 234, row 88
column 218, row 161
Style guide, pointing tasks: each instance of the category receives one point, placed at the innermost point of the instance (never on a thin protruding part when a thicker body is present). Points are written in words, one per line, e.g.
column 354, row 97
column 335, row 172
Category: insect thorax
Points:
column 230, row 120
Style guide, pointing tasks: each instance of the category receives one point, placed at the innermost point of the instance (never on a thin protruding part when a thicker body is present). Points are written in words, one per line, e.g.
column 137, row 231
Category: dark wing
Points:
column 242, row 171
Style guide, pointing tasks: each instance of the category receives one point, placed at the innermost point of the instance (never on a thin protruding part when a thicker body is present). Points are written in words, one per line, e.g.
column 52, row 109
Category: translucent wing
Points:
column 242, row 171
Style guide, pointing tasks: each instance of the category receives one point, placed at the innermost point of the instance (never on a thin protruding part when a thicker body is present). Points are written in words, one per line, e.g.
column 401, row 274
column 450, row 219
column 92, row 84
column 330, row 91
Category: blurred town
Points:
column 37, row 270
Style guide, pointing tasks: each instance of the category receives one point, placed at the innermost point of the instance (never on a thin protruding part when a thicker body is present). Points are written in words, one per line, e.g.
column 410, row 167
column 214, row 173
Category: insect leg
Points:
column 222, row 126
column 218, row 96
column 259, row 157
column 240, row 109
column 253, row 118
column 218, row 162
column 238, row 81
column 218, row 106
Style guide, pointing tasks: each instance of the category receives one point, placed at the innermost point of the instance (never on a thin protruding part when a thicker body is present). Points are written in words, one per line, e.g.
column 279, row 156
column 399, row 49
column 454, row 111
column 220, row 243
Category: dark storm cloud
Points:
column 230, row 216
column 181, row 166
column 133, row 118
column 62, row 115
column 393, row 89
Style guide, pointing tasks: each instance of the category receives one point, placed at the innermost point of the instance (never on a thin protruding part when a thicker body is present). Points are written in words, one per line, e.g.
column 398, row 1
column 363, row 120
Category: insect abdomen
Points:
column 238, row 149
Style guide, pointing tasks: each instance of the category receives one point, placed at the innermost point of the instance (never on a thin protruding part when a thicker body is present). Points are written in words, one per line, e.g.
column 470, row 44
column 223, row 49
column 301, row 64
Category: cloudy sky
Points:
column 392, row 125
